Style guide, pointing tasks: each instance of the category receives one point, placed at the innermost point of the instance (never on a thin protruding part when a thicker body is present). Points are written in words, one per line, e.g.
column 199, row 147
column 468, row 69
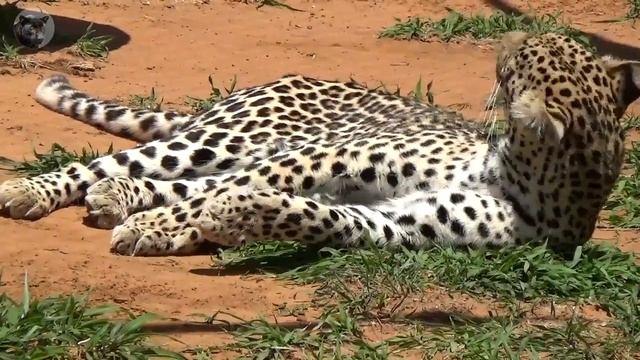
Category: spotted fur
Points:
column 325, row 161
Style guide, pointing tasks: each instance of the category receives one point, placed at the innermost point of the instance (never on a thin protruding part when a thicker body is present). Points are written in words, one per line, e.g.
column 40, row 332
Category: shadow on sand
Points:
column 604, row 46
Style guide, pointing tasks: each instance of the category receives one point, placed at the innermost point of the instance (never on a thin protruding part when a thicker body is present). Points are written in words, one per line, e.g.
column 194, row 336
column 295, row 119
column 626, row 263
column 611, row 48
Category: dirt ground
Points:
column 173, row 47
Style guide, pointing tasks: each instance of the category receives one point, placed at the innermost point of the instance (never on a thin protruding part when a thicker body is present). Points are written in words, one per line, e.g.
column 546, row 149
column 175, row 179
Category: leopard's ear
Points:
column 45, row 19
column 509, row 43
column 625, row 77
column 23, row 19
column 513, row 39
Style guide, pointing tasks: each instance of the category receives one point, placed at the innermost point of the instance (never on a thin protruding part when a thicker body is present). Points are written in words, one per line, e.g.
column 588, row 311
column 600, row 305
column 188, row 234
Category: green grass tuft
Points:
column 55, row 159
column 267, row 341
column 419, row 94
column 357, row 285
column 511, row 337
column 374, row 283
column 523, row 273
column 67, row 328
column 624, row 201
column 216, row 95
column 146, row 102
column 631, row 122
column 633, row 10
column 627, row 312
column 9, row 52
column 411, row 29
column 479, row 27
column 337, row 334
column 92, row 46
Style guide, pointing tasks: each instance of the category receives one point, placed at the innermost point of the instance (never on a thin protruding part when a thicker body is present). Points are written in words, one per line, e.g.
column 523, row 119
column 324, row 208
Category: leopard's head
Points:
column 563, row 88
column 564, row 146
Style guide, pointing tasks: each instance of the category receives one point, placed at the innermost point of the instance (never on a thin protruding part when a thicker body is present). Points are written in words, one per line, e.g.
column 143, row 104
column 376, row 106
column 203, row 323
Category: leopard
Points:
column 316, row 161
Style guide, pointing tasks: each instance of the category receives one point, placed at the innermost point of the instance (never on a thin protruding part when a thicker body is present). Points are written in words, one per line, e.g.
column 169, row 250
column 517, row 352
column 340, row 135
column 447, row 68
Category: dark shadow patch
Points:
column 603, row 45
column 433, row 319
column 188, row 327
column 277, row 262
column 440, row 318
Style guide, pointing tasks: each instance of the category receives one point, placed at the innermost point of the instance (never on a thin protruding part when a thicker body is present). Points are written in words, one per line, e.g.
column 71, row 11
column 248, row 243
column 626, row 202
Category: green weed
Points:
column 10, row 55
column 216, row 95
column 627, row 312
column 379, row 286
column 67, row 328
column 411, row 29
column 511, row 337
column 146, row 102
column 624, row 201
column 92, row 46
column 420, row 96
column 55, row 159
column 478, row 27
column 633, row 11
column 374, row 283
column 9, row 52
column 631, row 121
column 263, row 340
column 339, row 335
column 523, row 273
column 335, row 334
column 418, row 93
column 359, row 284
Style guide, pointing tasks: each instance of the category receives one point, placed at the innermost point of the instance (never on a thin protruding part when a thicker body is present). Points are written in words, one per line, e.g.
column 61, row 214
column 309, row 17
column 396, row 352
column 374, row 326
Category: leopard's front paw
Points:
column 140, row 241
column 25, row 199
column 153, row 233
column 106, row 203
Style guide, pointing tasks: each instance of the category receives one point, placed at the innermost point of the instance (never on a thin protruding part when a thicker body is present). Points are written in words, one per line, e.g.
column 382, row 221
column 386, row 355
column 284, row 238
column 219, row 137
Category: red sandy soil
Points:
column 174, row 46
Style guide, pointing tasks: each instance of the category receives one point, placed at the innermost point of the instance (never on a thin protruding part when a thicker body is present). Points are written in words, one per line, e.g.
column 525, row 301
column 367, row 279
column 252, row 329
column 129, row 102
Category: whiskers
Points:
column 490, row 116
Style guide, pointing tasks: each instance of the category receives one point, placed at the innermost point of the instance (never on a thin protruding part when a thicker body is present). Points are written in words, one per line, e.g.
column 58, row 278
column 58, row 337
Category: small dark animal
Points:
column 29, row 30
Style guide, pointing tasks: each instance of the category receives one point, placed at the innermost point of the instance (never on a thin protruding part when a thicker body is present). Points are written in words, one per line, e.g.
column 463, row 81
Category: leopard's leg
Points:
column 57, row 94
column 382, row 173
column 110, row 201
column 188, row 155
column 417, row 220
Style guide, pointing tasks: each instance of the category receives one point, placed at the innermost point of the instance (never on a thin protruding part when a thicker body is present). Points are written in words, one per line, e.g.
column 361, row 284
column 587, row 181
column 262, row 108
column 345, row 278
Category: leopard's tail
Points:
column 57, row 94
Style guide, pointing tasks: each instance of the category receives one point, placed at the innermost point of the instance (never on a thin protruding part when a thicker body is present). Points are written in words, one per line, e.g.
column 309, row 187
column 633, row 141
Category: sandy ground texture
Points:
column 173, row 46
